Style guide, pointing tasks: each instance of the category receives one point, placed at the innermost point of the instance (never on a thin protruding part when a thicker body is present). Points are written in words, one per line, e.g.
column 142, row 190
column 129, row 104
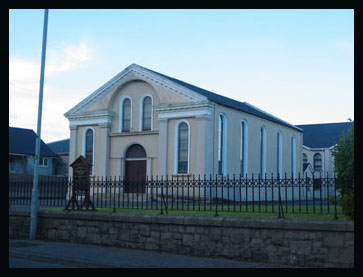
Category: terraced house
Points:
column 143, row 123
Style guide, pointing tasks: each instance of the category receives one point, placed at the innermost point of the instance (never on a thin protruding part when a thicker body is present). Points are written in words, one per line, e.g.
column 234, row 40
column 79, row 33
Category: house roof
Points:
column 22, row 141
column 323, row 135
column 60, row 146
column 228, row 102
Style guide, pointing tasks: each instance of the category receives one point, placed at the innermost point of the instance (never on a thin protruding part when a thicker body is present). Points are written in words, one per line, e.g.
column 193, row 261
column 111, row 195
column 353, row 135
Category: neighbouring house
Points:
column 22, row 152
column 319, row 141
column 61, row 148
column 144, row 123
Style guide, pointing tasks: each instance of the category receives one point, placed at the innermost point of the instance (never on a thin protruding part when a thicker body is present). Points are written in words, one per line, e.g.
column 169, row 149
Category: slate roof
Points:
column 323, row 135
column 60, row 146
column 228, row 102
column 22, row 141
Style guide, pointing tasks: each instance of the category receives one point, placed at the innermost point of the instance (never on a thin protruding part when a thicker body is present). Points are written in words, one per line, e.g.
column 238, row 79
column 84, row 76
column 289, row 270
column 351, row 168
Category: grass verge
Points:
column 251, row 212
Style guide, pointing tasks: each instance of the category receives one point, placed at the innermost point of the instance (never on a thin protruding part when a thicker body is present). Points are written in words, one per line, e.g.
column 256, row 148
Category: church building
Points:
column 143, row 123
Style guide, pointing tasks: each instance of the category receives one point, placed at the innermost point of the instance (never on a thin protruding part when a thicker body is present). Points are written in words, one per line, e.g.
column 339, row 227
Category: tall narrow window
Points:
column 88, row 146
column 293, row 157
column 263, row 152
column 279, row 154
column 221, row 145
column 183, row 147
column 126, row 115
column 244, row 148
column 146, row 113
column 317, row 162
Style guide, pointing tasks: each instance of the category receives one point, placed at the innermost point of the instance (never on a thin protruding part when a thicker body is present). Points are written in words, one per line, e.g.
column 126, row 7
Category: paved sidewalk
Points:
column 93, row 256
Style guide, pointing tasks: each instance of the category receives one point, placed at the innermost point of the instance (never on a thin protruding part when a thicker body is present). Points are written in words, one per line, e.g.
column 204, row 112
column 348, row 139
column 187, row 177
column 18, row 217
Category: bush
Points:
column 344, row 167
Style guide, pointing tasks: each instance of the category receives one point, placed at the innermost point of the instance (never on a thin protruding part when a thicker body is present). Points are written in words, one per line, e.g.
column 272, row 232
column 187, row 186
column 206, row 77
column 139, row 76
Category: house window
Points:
column 293, row 157
column 88, row 149
column 263, row 152
column 317, row 162
column 126, row 115
column 279, row 154
column 305, row 158
column 244, row 147
column 221, row 145
column 146, row 113
column 43, row 161
column 182, row 147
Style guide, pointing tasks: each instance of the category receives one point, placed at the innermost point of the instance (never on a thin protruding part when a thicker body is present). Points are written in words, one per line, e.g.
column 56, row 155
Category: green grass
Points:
column 259, row 212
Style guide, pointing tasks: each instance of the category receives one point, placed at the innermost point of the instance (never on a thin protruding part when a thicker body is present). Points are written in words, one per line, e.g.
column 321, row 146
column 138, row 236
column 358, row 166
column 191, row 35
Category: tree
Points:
column 344, row 167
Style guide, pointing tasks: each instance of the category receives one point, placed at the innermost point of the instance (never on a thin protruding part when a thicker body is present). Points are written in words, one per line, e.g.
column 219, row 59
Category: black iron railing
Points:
column 213, row 193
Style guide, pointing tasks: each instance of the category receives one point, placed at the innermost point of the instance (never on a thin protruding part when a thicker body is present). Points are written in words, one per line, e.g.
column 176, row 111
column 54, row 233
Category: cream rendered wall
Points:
column 136, row 89
column 234, row 121
column 119, row 145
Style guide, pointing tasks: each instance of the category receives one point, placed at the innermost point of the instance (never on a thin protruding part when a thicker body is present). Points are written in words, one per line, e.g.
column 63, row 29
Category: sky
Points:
column 295, row 64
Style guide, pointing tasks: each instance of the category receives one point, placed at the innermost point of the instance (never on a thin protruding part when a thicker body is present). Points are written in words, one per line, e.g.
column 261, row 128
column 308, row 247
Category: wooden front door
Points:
column 135, row 176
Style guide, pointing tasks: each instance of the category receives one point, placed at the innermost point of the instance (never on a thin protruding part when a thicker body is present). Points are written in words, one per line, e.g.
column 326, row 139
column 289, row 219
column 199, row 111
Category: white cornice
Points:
column 103, row 118
column 314, row 149
column 137, row 72
column 184, row 110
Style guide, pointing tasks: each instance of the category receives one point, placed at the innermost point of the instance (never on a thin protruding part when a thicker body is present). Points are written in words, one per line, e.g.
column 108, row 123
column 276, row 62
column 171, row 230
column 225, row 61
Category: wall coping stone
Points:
column 264, row 223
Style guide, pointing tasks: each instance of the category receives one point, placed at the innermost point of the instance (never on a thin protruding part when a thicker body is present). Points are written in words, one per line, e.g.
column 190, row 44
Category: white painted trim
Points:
column 93, row 146
column 141, row 111
column 183, row 114
column 314, row 149
column 263, row 157
column 95, row 118
column 121, row 113
column 293, row 156
column 279, row 153
column 176, row 140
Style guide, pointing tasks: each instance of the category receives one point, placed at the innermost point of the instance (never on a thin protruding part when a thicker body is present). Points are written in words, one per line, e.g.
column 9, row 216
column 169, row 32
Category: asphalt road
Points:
column 41, row 254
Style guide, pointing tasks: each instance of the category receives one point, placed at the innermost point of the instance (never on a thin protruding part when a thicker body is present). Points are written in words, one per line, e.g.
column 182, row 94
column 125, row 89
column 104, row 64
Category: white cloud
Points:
column 71, row 57
column 24, row 76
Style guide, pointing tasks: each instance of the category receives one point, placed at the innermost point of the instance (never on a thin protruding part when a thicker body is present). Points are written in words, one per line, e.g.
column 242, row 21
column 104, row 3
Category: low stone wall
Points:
column 306, row 243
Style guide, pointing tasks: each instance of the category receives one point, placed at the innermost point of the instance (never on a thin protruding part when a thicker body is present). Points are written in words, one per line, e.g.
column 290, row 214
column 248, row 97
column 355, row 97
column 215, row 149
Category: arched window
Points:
column 135, row 151
column 244, row 148
column 146, row 113
column 317, row 162
column 305, row 158
column 293, row 157
column 182, row 147
column 88, row 146
column 263, row 152
column 222, row 145
column 126, row 115
column 279, row 154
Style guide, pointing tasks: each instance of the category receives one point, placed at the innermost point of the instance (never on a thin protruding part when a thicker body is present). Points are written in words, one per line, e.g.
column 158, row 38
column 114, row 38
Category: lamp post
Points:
column 34, row 200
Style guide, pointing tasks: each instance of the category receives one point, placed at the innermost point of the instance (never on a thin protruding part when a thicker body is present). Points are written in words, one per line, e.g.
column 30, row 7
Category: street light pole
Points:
column 34, row 201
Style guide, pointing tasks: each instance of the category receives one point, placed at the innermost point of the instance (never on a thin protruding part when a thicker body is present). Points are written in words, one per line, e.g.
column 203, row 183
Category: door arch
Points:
column 135, row 169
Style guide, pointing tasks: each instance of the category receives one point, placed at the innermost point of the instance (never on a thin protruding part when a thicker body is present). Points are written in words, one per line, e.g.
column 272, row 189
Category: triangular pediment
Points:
column 134, row 72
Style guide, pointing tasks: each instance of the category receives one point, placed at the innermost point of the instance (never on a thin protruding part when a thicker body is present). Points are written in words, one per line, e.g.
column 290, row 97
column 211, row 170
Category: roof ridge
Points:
column 324, row 123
